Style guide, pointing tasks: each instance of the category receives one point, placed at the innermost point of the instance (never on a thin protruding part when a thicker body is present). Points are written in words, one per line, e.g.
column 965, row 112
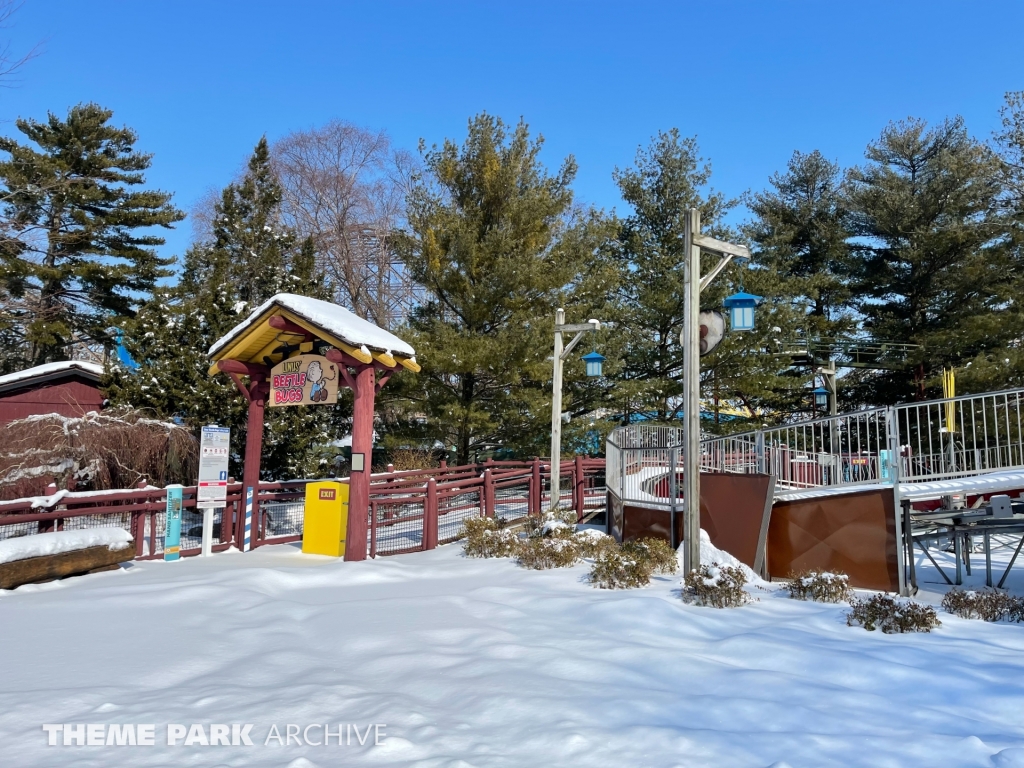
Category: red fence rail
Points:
column 409, row 510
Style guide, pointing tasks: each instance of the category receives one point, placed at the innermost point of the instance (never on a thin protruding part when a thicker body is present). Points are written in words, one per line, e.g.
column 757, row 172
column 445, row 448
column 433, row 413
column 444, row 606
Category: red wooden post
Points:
column 258, row 390
column 430, row 516
column 581, row 488
column 139, row 531
column 536, row 492
column 488, row 494
column 444, row 465
column 359, row 481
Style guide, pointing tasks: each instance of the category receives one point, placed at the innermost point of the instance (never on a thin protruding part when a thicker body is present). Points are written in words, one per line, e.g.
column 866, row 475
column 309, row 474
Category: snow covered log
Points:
column 48, row 556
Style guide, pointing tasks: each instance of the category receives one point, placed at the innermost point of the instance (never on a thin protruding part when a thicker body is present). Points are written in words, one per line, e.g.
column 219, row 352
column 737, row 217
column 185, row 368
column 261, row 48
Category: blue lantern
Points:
column 594, row 363
column 741, row 310
column 821, row 398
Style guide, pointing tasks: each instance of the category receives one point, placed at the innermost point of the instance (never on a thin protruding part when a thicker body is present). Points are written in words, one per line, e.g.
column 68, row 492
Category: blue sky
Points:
column 202, row 81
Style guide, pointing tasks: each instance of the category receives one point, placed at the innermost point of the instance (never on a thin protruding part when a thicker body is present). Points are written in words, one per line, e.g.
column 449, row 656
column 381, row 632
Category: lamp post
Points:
column 694, row 283
column 593, row 369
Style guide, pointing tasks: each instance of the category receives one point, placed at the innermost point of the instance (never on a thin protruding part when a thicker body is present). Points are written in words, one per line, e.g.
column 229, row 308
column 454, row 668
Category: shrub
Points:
column 593, row 543
column 717, row 586
column 821, row 586
column 541, row 552
column 892, row 616
column 987, row 605
column 631, row 565
column 403, row 459
column 657, row 552
column 485, row 537
column 98, row 451
column 567, row 516
column 617, row 568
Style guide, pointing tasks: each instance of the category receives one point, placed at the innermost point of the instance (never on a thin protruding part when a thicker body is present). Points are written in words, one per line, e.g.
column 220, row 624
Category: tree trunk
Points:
column 465, row 437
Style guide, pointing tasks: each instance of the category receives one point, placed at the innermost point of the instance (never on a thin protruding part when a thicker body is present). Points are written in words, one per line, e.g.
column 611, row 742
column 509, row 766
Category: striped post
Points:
column 247, row 535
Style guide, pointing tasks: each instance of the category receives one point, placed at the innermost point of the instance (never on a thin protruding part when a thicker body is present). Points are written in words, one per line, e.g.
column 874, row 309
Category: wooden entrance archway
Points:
column 288, row 325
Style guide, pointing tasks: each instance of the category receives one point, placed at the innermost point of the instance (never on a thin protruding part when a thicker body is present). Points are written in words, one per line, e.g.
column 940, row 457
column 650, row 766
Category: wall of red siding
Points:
column 71, row 397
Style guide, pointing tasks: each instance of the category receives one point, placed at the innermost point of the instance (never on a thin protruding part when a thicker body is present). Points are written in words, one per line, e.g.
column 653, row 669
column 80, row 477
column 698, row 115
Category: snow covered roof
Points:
column 49, row 371
column 332, row 318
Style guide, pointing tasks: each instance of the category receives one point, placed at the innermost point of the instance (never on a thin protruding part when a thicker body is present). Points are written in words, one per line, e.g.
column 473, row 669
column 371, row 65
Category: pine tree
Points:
column 250, row 257
column 493, row 240
column 799, row 233
column 799, row 240
column 75, row 245
column 932, row 262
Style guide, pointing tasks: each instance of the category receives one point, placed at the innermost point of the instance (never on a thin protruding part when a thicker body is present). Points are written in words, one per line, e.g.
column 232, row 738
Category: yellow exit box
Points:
column 325, row 519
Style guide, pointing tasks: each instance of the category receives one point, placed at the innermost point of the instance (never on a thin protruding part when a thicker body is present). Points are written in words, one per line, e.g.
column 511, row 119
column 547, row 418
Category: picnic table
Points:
column 1001, row 516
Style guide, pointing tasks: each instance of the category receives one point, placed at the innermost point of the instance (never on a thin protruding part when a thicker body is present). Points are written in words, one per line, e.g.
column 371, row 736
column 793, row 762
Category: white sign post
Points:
column 212, row 490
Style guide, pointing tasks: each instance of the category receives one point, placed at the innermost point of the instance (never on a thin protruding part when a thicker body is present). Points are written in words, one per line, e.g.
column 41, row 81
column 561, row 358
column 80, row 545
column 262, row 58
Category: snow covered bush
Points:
column 987, row 605
column 892, row 616
column 96, row 451
column 821, row 586
column 657, row 552
column 717, row 586
column 542, row 552
column 617, row 568
column 632, row 564
column 567, row 516
column 486, row 538
column 593, row 543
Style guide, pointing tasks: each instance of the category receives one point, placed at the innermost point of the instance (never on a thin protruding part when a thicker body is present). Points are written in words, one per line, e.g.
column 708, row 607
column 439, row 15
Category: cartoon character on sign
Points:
column 315, row 374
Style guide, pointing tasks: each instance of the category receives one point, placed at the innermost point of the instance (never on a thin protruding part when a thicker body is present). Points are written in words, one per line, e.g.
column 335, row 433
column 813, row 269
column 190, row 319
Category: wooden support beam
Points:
column 284, row 324
column 382, row 381
column 245, row 369
column 241, row 386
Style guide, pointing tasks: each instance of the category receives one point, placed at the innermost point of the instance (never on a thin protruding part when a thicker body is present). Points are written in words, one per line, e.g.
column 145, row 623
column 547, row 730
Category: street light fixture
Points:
column 741, row 310
column 821, row 398
column 593, row 361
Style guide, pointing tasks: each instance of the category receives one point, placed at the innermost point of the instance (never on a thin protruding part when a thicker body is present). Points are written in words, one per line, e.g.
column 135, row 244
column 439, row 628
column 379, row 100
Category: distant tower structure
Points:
column 373, row 281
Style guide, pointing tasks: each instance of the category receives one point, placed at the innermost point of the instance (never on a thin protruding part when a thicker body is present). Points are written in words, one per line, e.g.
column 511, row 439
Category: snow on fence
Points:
column 409, row 511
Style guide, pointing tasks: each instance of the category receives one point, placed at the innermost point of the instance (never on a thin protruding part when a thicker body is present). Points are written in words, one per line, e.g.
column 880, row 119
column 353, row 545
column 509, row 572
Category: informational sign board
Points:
column 304, row 380
column 172, row 532
column 214, row 450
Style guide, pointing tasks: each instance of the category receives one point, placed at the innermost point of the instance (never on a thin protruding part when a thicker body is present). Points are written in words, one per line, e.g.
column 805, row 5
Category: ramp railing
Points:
column 931, row 440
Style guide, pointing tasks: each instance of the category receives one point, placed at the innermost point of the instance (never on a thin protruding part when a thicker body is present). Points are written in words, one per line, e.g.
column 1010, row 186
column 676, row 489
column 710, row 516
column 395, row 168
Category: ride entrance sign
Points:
column 304, row 380
column 214, row 449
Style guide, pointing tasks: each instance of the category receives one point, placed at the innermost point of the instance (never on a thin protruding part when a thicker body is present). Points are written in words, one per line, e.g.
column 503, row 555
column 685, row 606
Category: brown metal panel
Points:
column 640, row 522
column 732, row 511
column 854, row 533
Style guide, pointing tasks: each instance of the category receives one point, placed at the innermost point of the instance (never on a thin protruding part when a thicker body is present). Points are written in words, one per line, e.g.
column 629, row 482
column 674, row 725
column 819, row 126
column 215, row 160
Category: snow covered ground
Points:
column 481, row 663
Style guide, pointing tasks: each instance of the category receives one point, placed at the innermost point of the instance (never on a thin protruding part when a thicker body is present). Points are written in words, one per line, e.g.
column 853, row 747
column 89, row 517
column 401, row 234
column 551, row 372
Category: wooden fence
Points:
column 409, row 511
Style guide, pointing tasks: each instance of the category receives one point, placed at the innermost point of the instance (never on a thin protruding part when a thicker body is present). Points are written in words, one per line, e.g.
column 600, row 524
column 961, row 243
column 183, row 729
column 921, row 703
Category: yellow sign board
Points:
column 326, row 519
column 304, row 380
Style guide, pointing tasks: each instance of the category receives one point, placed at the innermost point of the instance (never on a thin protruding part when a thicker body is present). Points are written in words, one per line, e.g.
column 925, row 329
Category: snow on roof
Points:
column 335, row 319
column 49, row 369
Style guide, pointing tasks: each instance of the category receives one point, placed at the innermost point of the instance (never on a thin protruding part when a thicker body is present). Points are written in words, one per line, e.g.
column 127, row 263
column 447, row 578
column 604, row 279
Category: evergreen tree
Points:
column 493, row 240
column 251, row 257
column 799, row 233
column 76, row 248
column 932, row 259
column 799, row 239
column 668, row 178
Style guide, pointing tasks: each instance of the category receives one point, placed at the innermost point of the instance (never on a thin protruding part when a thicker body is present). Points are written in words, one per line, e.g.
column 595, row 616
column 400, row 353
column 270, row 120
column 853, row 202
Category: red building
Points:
column 70, row 388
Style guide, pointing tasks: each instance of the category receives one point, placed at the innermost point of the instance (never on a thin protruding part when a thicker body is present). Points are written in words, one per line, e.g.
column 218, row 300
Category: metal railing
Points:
column 933, row 440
